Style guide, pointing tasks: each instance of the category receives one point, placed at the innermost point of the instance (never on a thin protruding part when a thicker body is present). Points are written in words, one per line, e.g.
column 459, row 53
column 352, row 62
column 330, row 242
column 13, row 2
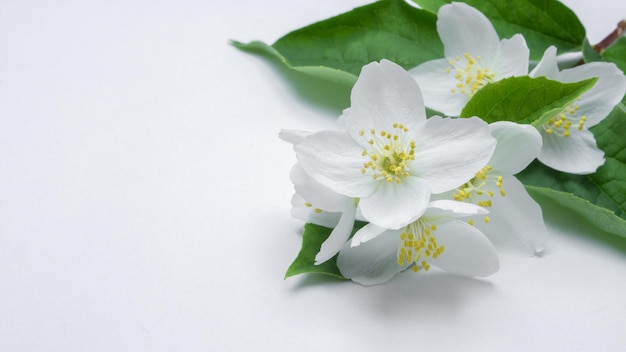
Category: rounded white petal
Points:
column 547, row 66
column 384, row 94
column 314, row 193
column 467, row 251
column 512, row 58
column 394, row 205
column 598, row 101
column 300, row 211
column 463, row 29
column 451, row 208
column 450, row 151
column 339, row 236
column 437, row 81
column 333, row 159
column 517, row 146
column 366, row 233
column 515, row 220
column 373, row 262
column 576, row 154
column 293, row 136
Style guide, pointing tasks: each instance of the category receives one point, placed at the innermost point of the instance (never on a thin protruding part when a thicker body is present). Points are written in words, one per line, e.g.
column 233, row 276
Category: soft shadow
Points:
column 309, row 280
column 317, row 92
column 439, row 292
column 558, row 217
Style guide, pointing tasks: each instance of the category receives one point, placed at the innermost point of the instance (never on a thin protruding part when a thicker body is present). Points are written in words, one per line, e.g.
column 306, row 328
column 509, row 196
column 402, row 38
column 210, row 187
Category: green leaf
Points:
column 589, row 53
column 541, row 22
column 616, row 53
column 599, row 198
column 312, row 239
column 524, row 99
column 337, row 48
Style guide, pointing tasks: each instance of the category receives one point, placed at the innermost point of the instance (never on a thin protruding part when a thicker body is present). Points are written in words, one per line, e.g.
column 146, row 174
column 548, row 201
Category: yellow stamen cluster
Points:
column 561, row 123
column 390, row 154
column 470, row 74
column 478, row 190
column 418, row 245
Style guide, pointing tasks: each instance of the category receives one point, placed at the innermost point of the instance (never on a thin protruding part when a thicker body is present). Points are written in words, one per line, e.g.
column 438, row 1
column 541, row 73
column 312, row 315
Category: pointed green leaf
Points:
column 616, row 53
column 524, row 99
column 541, row 22
column 337, row 48
column 312, row 239
column 599, row 198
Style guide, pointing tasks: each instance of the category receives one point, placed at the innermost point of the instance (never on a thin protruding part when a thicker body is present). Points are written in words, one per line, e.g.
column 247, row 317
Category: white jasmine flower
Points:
column 514, row 218
column 437, row 238
column 568, row 145
column 474, row 56
column 390, row 156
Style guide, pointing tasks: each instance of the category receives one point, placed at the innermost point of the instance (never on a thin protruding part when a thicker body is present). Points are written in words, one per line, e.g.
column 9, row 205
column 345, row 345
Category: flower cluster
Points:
column 441, row 191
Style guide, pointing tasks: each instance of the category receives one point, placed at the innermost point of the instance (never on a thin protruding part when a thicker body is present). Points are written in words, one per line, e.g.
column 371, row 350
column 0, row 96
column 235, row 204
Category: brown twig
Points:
column 611, row 38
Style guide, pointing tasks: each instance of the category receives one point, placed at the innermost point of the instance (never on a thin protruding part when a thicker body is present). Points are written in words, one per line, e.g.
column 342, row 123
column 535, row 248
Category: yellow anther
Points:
column 471, row 222
column 318, row 210
column 486, row 219
column 361, row 133
column 308, row 205
column 502, row 192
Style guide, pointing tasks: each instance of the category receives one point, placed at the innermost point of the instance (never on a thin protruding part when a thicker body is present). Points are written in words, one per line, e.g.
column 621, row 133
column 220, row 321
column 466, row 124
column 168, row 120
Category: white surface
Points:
column 144, row 200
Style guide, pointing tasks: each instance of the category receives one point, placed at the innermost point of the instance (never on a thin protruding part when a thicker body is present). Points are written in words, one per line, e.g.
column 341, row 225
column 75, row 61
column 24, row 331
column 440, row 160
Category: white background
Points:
column 144, row 200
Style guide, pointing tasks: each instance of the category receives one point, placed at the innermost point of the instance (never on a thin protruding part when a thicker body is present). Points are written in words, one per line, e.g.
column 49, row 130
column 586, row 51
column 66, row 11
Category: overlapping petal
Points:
column 451, row 151
column 577, row 154
column 518, row 145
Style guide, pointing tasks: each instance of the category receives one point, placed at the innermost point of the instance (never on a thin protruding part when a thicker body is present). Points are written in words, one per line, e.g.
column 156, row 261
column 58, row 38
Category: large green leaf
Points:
column 541, row 22
column 616, row 53
column 524, row 99
column 337, row 48
column 599, row 198
column 312, row 239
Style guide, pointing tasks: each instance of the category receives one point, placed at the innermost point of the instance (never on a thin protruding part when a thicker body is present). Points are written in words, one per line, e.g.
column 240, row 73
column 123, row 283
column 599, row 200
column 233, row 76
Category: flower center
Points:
column 470, row 74
column 480, row 189
column 560, row 124
column 418, row 245
column 389, row 154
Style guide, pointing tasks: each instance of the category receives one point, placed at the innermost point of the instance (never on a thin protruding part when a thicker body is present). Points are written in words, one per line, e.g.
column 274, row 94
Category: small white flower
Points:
column 568, row 145
column 390, row 156
column 474, row 56
column 514, row 218
column 437, row 238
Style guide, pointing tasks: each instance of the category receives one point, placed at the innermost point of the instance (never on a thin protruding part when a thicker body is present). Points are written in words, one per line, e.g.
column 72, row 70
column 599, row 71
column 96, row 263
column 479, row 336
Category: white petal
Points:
column 339, row 236
column 293, row 136
column 333, row 159
column 516, row 221
column 366, row 233
column 609, row 90
column 437, row 84
column 463, row 29
column 451, row 208
column 341, row 120
column 395, row 205
column 467, row 251
column 518, row 145
column 373, row 262
column 547, row 66
column 450, row 151
column 576, row 154
column 384, row 94
column 300, row 211
column 313, row 192
column 512, row 58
